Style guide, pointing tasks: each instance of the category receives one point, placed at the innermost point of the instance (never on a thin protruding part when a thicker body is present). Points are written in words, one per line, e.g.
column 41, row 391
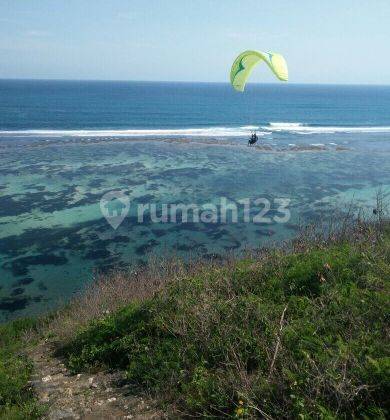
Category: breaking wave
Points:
column 241, row 131
column 301, row 128
column 185, row 132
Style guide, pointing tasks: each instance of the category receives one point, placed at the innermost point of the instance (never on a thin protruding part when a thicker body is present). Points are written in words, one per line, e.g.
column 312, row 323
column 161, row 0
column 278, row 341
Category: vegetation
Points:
column 16, row 397
column 297, row 333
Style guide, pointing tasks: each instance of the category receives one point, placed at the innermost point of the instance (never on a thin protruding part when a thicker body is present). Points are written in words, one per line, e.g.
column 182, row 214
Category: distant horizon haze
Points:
column 227, row 82
column 334, row 42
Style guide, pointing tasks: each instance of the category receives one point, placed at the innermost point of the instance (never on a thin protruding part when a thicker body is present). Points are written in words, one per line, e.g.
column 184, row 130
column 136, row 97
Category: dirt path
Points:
column 84, row 396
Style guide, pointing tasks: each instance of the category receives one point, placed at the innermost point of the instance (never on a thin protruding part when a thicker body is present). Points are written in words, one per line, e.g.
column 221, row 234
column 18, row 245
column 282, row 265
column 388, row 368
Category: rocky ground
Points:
column 104, row 395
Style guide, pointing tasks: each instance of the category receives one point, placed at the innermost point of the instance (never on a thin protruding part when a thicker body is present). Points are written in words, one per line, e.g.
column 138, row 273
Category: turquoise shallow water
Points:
column 53, row 236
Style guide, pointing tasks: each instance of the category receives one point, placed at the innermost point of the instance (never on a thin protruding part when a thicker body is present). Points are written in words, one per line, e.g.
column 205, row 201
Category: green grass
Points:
column 297, row 335
column 16, row 398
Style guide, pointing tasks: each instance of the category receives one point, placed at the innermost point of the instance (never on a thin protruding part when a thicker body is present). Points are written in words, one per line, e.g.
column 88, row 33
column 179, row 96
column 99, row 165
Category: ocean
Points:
column 65, row 145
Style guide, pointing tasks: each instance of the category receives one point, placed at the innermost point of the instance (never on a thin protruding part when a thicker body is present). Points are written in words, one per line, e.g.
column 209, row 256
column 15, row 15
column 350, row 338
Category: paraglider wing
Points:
column 247, row 61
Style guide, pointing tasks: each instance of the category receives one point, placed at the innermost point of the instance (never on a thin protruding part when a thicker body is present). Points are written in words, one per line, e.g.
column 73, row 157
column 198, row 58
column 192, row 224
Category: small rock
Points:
column 45, row 398
column 61, row 414
column 46, row 378
column 112, row 399
column 34, row 383
column 91, row 383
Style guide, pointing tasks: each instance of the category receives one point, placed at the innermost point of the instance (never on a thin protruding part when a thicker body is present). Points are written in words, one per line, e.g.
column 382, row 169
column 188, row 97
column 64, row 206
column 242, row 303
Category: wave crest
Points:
column 301, row 128
column 213, row 132
column 185, row 132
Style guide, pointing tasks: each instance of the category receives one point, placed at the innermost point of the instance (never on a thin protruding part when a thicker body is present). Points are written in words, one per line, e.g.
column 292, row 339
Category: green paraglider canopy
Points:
column 246, row 61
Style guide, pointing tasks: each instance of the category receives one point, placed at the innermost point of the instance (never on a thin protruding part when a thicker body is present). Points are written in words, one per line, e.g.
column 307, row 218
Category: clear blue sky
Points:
column 327, row 41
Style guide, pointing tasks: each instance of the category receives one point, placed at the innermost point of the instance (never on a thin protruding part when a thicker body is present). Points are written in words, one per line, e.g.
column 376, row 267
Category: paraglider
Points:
column 247, row 61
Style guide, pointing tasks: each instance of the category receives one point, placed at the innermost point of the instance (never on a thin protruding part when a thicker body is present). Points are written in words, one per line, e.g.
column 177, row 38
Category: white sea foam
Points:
column 301, row 128
column 241, row 131
column 184, row 132
column 285, row 125
column 250, row 127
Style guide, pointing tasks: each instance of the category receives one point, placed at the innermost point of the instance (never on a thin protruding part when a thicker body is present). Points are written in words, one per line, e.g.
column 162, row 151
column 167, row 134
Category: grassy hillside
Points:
column 298, row 332
column 301, row 333
column 16, row 397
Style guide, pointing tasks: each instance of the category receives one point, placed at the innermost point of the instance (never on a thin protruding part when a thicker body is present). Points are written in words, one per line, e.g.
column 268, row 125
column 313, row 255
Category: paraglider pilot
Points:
column 253, row 139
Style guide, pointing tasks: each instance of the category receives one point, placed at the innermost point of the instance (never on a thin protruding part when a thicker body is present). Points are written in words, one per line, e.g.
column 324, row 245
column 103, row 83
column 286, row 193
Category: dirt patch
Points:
column 104, row 395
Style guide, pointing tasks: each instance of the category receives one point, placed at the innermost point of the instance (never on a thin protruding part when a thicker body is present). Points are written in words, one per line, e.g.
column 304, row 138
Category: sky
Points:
column 329, row 41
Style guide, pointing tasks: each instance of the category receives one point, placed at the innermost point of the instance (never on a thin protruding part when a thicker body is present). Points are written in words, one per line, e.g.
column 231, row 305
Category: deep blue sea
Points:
column 94, row 105
column 65, row 145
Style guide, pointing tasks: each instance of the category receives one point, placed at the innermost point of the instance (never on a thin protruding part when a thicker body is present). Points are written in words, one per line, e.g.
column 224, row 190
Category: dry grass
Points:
column 111, row 291
column 283, row 334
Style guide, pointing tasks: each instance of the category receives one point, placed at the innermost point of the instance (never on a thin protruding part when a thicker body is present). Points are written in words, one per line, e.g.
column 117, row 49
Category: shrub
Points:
column 16, row 398
column 301, row 334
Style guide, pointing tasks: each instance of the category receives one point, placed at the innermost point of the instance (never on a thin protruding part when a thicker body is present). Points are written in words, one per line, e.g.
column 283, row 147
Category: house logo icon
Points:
column 115, row 206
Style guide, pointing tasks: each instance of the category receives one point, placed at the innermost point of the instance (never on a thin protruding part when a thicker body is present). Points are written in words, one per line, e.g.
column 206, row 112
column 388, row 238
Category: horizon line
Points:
column 184, row 81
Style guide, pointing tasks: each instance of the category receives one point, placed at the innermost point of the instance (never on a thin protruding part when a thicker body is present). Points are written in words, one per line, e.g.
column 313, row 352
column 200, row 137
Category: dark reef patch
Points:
column 16, row 303
column 45, row 201
column 23, row 282
column 97, row 254
column 41, row 286
column 265, row 232
column 153, row 187
column 19, row 266
column 96, row 183
column 159, row 232
column 144, row 199
column 193, row 173
column 147, row 247
column 47, row 240
column 120, row 239
column 17, row 291
column 184, row 247
column 35, row 187
column 218, row 234
column 131, row 182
